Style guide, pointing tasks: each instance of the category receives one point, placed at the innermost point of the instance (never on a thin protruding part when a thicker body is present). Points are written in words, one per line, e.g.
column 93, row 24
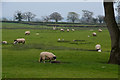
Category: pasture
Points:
column 78, row 59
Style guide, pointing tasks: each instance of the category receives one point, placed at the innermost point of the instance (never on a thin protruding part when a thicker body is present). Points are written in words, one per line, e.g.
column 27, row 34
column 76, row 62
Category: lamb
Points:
column 98, row 47
column 73, row 30
column 100, row 30
column 94, row 34
column 20, row 40
column 62, row 30
column 54, row 28
column 68, row 30
column 47, row 56
column 4, row 42
column 37, row 34
column 27, row 32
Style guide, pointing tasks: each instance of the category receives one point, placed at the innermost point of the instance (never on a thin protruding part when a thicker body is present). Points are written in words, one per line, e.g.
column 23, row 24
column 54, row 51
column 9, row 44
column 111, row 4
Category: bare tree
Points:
column 88, row 16
column 29, row 16
column 95, row 20
column 114, row 33
column 72, row 16
column 56, row 16
column 46, row 18
column 18, row 15
column 100, row 18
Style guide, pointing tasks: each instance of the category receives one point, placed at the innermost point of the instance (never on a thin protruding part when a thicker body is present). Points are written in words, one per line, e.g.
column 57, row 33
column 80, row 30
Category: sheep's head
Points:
column 54, row 58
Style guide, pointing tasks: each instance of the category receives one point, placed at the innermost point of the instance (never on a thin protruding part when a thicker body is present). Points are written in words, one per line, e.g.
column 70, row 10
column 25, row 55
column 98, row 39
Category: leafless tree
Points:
column 29, row 16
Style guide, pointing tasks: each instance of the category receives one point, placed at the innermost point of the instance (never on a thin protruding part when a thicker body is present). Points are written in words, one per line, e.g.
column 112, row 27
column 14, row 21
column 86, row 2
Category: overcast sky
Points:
column 46, row 8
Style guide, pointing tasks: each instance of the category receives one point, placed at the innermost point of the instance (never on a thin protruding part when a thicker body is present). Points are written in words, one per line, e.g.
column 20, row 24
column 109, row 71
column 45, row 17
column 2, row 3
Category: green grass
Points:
column 21, row 61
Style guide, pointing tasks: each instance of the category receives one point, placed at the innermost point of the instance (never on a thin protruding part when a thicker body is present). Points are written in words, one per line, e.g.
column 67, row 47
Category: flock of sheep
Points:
column 48, row 55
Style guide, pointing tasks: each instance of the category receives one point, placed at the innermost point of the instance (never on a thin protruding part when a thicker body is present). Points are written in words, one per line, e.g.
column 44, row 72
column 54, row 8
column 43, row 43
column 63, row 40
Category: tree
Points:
column 95, row 20
column 46, row 18
column 4, row 19
column 56, row 16
column 114, row 33
column 100, row 18
column 18, row 15
column 72, row 16
column 29, row 16
column 118, row 11
column 88, row 16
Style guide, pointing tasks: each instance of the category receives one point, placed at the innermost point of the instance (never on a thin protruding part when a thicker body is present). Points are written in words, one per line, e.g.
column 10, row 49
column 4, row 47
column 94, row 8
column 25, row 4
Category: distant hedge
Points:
column 59, row 24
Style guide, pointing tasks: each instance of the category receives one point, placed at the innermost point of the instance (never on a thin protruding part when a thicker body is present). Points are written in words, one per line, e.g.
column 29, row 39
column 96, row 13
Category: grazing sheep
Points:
column 62, row 30
column 20, row 40
column 27, row 32
column 73, row 30
column 54, row 28
column 59, row 39
column 4, row 42
column 88, row 35
column 47, row 56
column 37, row 34
column 94, row 34
column 68, row 30
column 100, row 30
column 98, row 47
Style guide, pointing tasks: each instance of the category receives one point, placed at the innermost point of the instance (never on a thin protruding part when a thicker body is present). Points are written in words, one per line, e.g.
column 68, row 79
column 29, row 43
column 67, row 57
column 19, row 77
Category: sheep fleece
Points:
column 46, row 55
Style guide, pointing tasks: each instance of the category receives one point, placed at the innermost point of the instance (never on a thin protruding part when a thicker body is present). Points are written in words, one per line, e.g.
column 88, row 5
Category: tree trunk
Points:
column 114, row 33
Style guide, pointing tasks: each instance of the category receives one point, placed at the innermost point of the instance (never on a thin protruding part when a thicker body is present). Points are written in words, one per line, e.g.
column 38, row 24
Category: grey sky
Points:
column 46, row 8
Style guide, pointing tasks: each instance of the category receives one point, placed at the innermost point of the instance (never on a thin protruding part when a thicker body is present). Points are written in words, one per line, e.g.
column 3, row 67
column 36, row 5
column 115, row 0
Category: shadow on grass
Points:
column 52, row 62
column 44, row 47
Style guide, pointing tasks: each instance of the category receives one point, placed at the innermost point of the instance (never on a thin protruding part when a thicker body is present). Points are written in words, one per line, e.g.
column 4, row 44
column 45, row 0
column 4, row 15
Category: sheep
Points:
column 62, row 30
column 68, row 30
column 54, row 28
column 20, row 40
column 47, row 56
column 27, row 32
column 37, row 34
column 4, row 42
column 100, row 30
column 73, row 30
column 59, row 39
column 94, row 34
column 98, row 47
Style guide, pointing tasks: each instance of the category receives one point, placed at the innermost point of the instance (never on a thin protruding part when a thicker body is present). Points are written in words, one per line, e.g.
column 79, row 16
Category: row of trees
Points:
column 26, row 16
column 87, row 17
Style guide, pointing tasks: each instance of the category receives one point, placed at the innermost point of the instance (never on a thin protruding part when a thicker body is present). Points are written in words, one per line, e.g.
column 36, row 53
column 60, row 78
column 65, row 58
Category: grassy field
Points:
column 79, row 60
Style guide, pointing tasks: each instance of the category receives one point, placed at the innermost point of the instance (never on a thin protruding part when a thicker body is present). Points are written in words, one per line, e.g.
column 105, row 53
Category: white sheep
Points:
column 37, row 34
column 27, row 32
column 4, row 42
column 73, row 30
column 47, row 56
column 54, row 28
column 98, row 47
column 62, row 30
column 94, row 34
column 20, row 40
column 100, row 30
column 59, row 39
column 68, row 30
